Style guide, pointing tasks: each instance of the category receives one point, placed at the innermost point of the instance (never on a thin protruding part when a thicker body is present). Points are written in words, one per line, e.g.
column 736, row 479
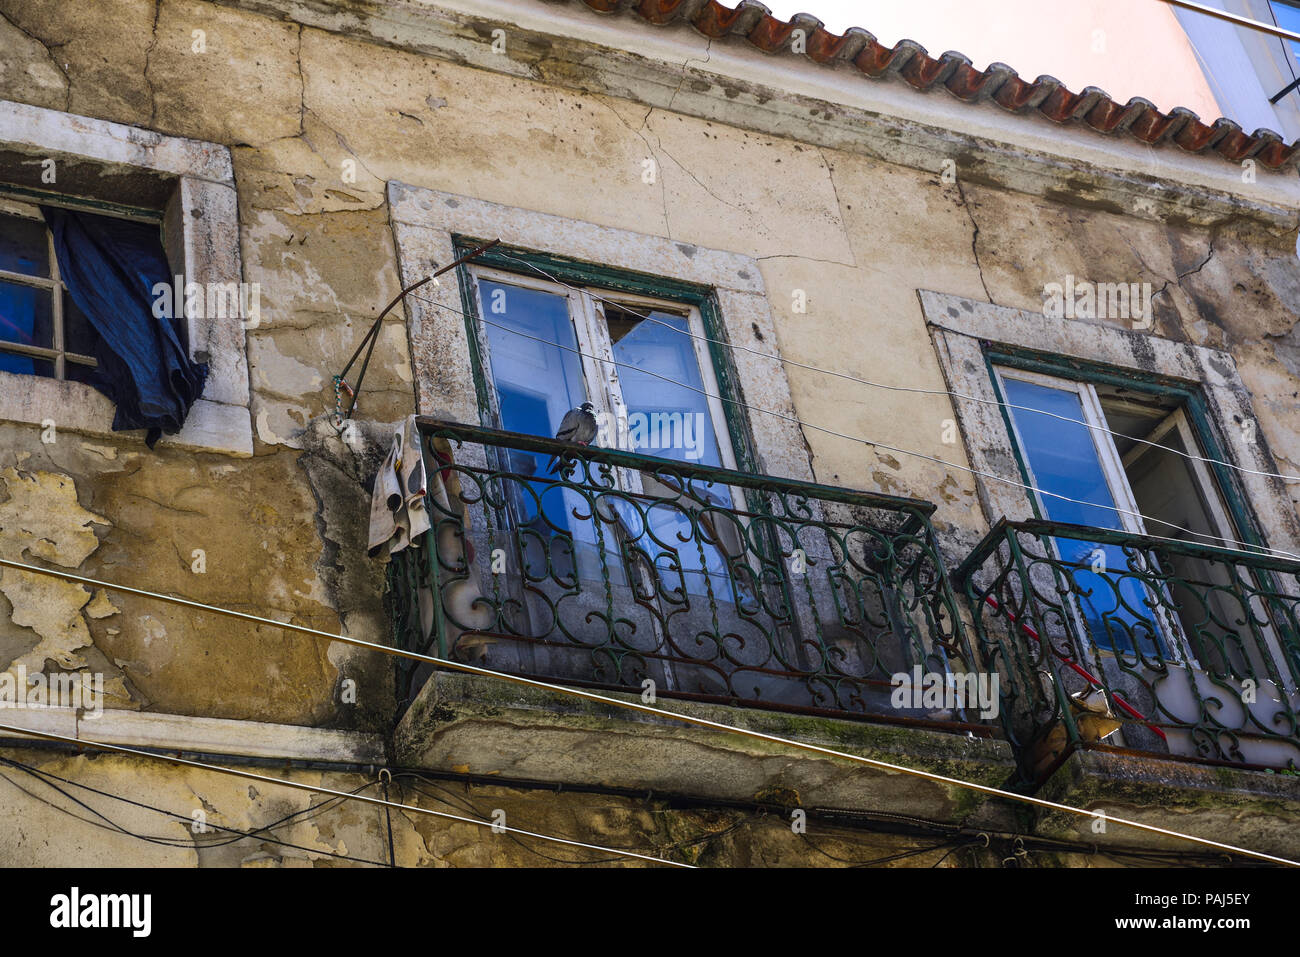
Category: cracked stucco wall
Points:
column 112, row 510
column 47, row 620
column 318, row 122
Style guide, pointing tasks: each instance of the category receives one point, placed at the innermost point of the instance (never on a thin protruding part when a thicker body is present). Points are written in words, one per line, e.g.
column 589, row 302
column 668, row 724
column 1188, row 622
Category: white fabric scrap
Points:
column 398, row 516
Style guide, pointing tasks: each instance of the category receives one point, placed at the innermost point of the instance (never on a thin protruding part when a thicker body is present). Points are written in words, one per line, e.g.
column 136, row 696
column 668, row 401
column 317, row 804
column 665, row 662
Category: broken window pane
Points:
column 665, row 419
column 672, row 420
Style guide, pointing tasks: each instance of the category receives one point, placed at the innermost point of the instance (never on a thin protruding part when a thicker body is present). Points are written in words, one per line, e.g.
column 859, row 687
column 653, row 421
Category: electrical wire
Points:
column 466, row 804
column 954, row 849
column 298, row 817
column 898, row 388
column 854, row 820
column 890, row 858
column 1246, row 547
column 236, row 772
column 572, row 692
column 1288, row 53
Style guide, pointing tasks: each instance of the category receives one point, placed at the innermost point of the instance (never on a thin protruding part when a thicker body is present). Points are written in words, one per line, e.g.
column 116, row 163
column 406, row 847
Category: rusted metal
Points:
column 372, row 336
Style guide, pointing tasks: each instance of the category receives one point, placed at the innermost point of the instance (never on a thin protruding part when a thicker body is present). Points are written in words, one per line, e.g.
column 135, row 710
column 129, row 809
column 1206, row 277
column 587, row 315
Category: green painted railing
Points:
column 1105, row 639
column 628, row 571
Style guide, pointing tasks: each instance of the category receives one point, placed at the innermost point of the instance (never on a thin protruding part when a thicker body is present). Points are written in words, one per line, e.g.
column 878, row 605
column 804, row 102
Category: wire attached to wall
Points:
column 371, row 337
column 628, row 705
column 897, row 388
column 260, row 834
column 1247, row 547
column 320, row 789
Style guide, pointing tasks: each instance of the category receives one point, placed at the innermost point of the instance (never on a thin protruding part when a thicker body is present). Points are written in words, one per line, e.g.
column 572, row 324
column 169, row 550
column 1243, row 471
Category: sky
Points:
column 1126, row 47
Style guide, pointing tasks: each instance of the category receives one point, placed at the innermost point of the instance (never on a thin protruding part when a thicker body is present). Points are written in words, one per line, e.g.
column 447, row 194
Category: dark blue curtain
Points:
column 110, row 267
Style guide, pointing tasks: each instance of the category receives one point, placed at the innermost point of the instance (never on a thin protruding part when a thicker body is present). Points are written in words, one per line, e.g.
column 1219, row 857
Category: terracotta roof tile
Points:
column 999, row 83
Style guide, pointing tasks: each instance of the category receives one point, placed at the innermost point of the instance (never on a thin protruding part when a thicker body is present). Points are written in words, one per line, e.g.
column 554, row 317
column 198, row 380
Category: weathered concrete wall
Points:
column 301, row 108
column 329, row 832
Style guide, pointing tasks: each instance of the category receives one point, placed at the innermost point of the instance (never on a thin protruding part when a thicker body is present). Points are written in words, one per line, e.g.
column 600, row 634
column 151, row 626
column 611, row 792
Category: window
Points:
column 1286, row 14
column 1131, row 478
column 42, row 332
column 1171, row 630
column 644, row 365
column 122, row 176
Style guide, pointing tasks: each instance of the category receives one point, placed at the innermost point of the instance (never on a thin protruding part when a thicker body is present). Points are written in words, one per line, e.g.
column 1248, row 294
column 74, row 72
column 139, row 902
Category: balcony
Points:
column 785, row 607
column 629, row 572
column 1109, row 641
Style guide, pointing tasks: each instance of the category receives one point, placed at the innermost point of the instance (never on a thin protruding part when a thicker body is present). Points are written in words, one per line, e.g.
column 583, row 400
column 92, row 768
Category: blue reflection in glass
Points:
column 537, row 382
column 1288, row 18
column 26, row 315
column 672, row 420
column 1063, row 460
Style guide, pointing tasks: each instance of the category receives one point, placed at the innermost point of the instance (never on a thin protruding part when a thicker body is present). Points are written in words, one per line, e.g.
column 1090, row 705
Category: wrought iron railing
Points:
column 627, row 571
column 1105, row 639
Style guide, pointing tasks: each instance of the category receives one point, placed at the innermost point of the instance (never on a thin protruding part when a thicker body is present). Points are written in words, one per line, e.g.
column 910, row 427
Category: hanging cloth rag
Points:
column 398, row 512
column 111, row 267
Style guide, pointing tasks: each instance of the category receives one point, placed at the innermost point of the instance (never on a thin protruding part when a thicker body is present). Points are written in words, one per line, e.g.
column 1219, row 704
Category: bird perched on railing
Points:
column 577, row 426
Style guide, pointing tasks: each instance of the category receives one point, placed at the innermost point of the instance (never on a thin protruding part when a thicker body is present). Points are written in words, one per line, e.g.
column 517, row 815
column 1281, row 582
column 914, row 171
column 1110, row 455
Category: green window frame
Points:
column 583, row 274
column 1187, row 395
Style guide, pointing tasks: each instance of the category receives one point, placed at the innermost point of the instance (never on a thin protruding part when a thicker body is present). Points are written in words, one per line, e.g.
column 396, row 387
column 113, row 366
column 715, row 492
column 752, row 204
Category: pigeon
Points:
column 577, row 426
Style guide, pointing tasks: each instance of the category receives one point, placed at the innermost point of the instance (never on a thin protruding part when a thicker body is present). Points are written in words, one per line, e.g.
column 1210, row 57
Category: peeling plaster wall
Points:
column 318, row 123
column 700, row 835
column 255, row 522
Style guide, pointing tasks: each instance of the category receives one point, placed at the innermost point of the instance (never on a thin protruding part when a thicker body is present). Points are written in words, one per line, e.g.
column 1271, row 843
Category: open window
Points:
column 81, row 299
column 644, row 366
column 93, row 216
column 601, row 555
column 1114, row 458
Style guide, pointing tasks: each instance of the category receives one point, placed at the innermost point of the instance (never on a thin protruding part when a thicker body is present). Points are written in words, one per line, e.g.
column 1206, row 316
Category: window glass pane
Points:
column 23, row 246
column 1063, row 459
column 537, row 375
column 79, row 336
column 536, row 382
column 672, row 420
column 1288, row 18
column 1061, row 455
column 664, row 419
column 25, row 365
column 26, row 315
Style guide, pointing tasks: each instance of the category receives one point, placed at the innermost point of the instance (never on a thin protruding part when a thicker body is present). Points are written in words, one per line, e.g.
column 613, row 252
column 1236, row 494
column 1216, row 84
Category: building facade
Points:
column 945, row 418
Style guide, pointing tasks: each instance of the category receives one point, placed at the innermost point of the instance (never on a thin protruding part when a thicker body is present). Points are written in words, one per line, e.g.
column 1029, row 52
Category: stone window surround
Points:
column 961, row 327
column 425, row 222
column 201, row 178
